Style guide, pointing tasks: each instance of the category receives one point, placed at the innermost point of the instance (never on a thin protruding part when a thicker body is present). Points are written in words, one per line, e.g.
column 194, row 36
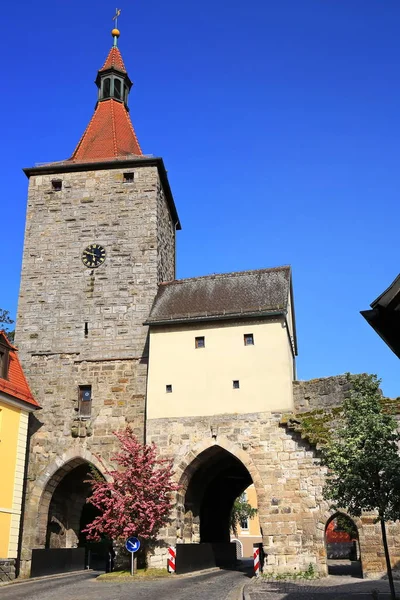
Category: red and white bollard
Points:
column 257, row 562
column 171, row 559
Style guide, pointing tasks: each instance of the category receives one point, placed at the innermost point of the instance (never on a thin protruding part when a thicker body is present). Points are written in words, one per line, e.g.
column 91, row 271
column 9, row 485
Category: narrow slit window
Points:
column 85, row 401
column 86, row 329
column 129, row 177
column 200, row 342
column 236, row 384
column 248, row 339
column 56, row 184
column 168, row 388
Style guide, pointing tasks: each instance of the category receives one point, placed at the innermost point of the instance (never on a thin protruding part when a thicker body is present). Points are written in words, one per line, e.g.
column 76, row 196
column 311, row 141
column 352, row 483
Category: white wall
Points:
column 202, row 378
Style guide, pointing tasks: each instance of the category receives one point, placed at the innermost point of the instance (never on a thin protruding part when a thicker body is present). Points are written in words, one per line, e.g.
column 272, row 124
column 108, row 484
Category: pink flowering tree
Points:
column 136, row 499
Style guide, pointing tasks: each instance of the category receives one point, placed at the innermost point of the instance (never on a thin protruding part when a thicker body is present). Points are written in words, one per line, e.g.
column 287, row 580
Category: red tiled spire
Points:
column 114, row 60
column 16, row 384
column 110, row 133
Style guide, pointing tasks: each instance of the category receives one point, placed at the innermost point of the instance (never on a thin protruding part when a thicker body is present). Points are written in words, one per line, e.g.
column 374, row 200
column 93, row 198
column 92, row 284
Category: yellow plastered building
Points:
column 16, row 402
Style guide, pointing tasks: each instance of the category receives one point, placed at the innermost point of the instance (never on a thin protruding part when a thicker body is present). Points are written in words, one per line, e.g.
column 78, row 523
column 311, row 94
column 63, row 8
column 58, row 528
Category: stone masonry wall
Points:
column 165, row 239
column 314, row 394
column 7, row 569
column 59, row 295
column 286, row 474
column 288, row 479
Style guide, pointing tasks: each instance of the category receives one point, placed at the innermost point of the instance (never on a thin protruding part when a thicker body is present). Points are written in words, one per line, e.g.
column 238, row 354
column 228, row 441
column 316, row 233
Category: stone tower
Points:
column 100, row 237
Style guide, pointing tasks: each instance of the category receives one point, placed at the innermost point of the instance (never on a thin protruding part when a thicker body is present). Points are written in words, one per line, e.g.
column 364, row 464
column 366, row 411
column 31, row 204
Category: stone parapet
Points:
column 322, row 393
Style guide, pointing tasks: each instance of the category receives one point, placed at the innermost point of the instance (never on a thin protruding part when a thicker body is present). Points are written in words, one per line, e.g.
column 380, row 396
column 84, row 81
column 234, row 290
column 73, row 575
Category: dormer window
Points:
column 4, row 361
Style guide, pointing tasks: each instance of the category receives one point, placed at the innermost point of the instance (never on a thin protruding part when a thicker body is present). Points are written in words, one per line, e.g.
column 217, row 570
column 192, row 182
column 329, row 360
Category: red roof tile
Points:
column 114, row 59
column 110, row 134
column 16, row 385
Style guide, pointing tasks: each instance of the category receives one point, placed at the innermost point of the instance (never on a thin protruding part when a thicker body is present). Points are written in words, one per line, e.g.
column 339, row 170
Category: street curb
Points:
column 246, row 595
column 170, row 576
column 195, row 573
column 19, row 581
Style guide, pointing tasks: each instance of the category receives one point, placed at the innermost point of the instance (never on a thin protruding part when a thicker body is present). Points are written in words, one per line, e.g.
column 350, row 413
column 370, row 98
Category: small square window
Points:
column 56, row 184
column 168, row 388
column 236, row 384
column 129, row 177
column 85, row 401
column 248, row 339
column 200, row 342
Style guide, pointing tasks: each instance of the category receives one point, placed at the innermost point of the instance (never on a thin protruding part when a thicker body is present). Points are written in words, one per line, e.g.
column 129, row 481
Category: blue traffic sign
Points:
column 132, row 544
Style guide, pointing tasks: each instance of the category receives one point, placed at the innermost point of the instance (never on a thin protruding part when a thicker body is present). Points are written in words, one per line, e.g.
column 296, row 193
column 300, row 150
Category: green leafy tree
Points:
column 241, row 511
column 363, row 458
column 5, row 321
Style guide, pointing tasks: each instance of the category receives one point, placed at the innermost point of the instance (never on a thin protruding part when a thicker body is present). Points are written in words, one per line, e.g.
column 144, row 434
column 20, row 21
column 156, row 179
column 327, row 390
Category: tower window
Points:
column 236, row 384
column 248, row 339
column 129, row 177
column 117, row 88
column 168, row 388
column 56, row 184
column 85, row 401
column 106, row 87
column 200, row 342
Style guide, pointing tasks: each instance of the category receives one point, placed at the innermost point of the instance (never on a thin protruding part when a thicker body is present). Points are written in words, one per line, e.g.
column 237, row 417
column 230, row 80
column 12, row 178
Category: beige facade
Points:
column 249, row 532
column 202, row 378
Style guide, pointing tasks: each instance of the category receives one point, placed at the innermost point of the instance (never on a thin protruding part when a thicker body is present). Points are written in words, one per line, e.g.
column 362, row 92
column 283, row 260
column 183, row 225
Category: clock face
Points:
column 93, row 256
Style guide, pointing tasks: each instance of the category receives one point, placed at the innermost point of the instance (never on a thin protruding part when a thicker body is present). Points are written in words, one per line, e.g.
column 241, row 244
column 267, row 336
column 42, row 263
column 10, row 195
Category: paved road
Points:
column 216, row 585
column 329, row 588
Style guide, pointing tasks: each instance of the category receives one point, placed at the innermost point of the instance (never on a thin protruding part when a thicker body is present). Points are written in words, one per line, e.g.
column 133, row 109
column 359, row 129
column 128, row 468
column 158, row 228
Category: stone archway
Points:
column 342, row 544
column 36, row 518
column 211, row 477
column 50, row 481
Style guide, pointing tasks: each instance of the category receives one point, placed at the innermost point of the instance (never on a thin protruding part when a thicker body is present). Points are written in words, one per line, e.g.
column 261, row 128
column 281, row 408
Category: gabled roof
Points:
column 264, row 292
column 385, row 316
column 109, row 135
column 16, row 384
column 114, row 60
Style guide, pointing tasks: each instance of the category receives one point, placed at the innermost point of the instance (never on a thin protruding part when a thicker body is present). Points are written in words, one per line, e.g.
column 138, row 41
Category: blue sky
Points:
column 278, row 123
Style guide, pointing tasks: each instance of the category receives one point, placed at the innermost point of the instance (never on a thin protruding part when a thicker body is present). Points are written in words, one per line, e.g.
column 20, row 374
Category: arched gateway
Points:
column 210, row 485
column 57, row 504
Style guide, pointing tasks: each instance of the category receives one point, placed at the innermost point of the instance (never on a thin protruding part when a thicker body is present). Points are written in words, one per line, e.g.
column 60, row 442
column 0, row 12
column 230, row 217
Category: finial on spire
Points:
column 115, row 31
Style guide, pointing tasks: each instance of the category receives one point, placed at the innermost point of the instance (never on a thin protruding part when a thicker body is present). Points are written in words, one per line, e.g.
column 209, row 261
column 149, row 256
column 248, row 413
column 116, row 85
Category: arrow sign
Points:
column 132, row 544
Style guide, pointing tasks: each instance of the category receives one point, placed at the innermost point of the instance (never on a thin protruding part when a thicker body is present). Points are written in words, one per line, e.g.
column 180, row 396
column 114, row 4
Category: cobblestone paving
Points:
column 329, row 588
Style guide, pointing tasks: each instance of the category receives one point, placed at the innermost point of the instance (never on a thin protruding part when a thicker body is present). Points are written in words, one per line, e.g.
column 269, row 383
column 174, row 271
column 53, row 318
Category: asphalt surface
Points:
column 216, row 585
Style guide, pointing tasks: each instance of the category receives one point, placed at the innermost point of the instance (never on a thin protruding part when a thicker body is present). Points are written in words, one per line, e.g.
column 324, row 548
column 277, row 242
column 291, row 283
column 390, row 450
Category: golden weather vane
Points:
column 115, row 31
column 115, row 17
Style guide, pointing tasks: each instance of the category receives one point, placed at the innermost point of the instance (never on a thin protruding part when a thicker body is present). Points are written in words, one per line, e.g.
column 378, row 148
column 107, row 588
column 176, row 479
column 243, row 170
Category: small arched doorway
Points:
column 215, row 478
column 342, row 546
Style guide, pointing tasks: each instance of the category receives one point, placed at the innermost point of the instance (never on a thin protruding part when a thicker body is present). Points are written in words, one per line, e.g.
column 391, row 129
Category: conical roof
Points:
column 114, row 60
column 110, row 133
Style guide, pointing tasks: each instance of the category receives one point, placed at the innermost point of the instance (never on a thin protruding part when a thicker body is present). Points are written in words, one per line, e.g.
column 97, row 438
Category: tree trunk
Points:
column 387, row 557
